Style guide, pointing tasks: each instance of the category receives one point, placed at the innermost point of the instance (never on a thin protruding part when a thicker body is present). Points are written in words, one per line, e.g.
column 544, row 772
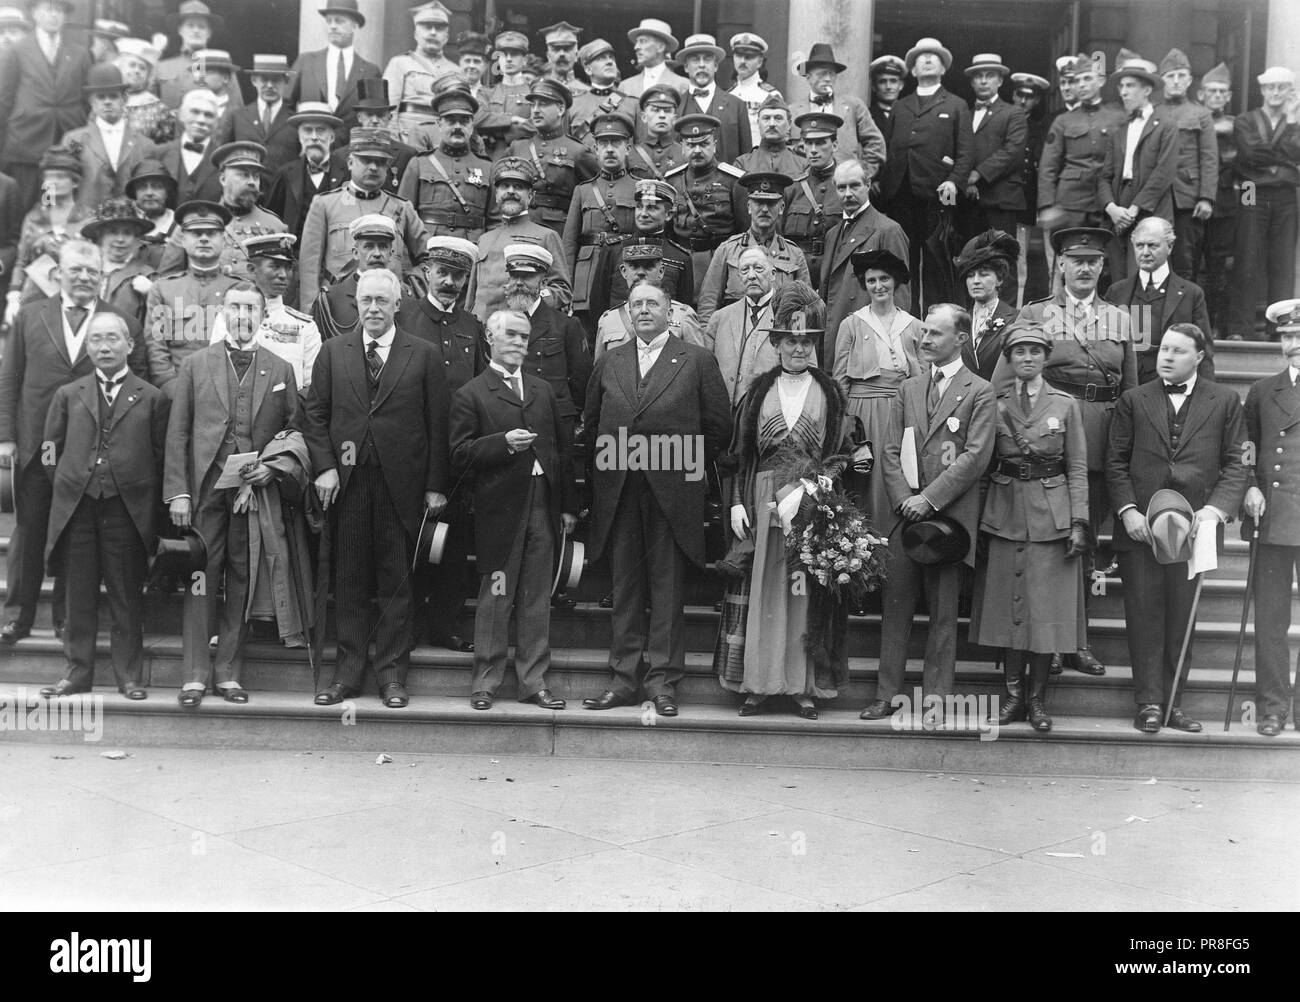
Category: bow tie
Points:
column 238, row 352
column 1175, row 388
column 192, row 146
column 983, row 105
column 699, row 92
column 1092, row 107
column 823, row 99
column 1133, row 116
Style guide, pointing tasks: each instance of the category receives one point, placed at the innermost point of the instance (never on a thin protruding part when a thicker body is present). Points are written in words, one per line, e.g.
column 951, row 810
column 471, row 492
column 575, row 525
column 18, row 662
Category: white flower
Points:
column 843, row 579
column 141, row 284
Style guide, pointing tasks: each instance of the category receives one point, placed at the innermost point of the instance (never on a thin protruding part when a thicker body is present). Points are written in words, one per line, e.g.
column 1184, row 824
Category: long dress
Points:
column 776, row 661
column 871, row 362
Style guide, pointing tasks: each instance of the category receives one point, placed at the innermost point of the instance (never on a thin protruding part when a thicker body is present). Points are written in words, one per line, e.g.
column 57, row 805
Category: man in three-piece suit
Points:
column 508, row 436
column 737, row 333
column 859, row 135
column 230, row 398
column 931, row 153
column 376, row 427
column 1162, row 297
column 952, row 414
column 108, row 432
column 266, row 121
column 700, row 57
column 1178, row 433
column 40, row 95
column 188, row 157
column 1137, row 175
column 291, row 190
column 46, row 350
column 863, row 228
column 109, row 148
column 1273, row 503
column 657, row 393
column 330, row 75
column 994, row 191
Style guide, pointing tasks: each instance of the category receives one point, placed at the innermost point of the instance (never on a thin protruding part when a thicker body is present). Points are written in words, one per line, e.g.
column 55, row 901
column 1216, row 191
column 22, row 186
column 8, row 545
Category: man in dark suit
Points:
column 931, row 153
column 330, row 75
column 1177, row 433
column 188, row 157
column 376, row 427
column 230, row 398
column 508, row 436
column 995, row 193
column 11, row 224
column 887, row 76
column 266, row 121
column 953, row 417
column 1137, row 175
column 657, row 391
column 700, row 57
column 46, row 350
column 108, row 431
column 296, row 183
column 109, row 148
column 1273, row 503
column 1162, row 298
column 863, row 228
column 40, row 95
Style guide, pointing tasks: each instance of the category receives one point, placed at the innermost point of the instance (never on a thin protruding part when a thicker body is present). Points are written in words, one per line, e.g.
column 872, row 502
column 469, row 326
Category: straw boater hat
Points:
column 315, row 112
column 701, row 43
column 987, row 61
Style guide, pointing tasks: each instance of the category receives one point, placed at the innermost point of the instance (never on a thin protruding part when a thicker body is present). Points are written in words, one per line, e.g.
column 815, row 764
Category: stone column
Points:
column 846, row 26
column 1283, row 49
column 369, row 40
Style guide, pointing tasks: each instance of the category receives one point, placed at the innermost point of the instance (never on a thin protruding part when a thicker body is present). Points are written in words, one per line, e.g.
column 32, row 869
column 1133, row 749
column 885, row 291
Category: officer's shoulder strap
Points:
column 297, row 314
column 680, row 168
column 731, row 169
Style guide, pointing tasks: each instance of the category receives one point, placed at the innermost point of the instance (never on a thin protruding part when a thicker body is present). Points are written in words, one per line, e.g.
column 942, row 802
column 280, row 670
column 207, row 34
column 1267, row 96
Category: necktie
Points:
column 341, row 79
column 517, row 384
column 192, row 146
column 76, row 317
column 1024, row 399
column 110, row 388
column 374, row 364
column 1175, row 388
column 266, row 117
column 240, row 358
column 932, row 399
column 754, row 310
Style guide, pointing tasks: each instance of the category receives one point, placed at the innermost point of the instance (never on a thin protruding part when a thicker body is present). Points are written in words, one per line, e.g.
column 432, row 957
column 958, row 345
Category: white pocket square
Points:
column 277, row 387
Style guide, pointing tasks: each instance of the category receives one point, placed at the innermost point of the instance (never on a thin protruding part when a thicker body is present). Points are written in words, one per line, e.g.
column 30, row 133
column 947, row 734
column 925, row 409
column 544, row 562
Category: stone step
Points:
column 1076, row 746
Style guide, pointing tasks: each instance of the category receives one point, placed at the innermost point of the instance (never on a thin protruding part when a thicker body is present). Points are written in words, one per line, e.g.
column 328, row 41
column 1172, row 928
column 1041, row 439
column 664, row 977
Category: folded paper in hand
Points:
column 232, row 473
column 1205, row 550
column 907, row 459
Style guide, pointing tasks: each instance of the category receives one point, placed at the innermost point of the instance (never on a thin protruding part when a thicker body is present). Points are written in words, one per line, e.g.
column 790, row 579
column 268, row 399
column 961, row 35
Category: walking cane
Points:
column 1182, row 655
column 1241, row 632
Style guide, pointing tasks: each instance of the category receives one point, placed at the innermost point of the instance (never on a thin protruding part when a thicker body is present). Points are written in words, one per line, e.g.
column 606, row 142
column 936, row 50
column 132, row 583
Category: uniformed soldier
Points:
column 449, row 186
column 375, row 111
column 561, row 41
column 559, row 161
column 1030, row 92
column 602, row 95
column 1197, row 181
column 660, row 151
column 710, row 201
column 372, row 238
column 1092, row 359
column 655, row 202
column 285, row 331
column 722, row 282
column 513, row 180
column 243, row 169
column 887, row 76
column 1221, row 230
column 182, row 306
column 643, row 262
column 812, row 202
column 748, row 54
column 773, row 152
column 411, row 75
column 326, row 240
column 601, row 213
column 505, row 118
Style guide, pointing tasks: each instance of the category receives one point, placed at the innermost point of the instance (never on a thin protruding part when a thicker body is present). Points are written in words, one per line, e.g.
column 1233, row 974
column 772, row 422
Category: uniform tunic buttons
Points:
column 1279, row 450
column 1276, row 484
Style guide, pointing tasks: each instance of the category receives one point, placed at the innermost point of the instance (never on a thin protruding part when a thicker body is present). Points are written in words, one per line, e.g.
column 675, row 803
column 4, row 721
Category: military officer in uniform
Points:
column 1197, row 181
column 1092, row 359
column 371, row 238
column 513, row 180
column 602, row 95
column 1030, row 91
column 374, row 111
column 561, row 41
column 601, row 213
column 504, row 118
column 410, row 76
column 449, row 186
column 655, row 202
column 748, row 53
column 659, row 151
column 182, row 306
column 710, row 200
column 722, row 282
column 644, row 262
column 561, row 162
column 326, row 241
column 812, row 202
column 773, row 152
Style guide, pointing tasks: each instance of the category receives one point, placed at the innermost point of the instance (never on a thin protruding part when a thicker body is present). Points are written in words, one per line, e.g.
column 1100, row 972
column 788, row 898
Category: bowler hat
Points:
column 103, row 78
column 936, row 541
column 348, row 8
column 180, row 557
column 432, row 542
column 572, row 557
column 149, row 170
column 1169, row 519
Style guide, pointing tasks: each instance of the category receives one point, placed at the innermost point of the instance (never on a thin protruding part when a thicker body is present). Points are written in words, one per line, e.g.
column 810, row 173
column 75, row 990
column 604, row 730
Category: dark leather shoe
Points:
column 1270, row 725
column 233, row 694
column 877, row 709
column 480, row 700
column 62, row 688
column 336, row 693
column 1058, row 665
column 607, row 700
column 133, row 690
column 454, row 643
column 607, row 602
column 394, row 695
column 1180, row 721
column 1148, row 719
column 1083, row 660
column 751, row 707
column 806, row 710
column 665, row 706
column 544, row 699
column 190, row 698
column 11, row 633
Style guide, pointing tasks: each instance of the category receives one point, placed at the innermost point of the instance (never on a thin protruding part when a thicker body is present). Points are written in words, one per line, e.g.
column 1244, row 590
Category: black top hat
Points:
column 936, row 541
column 181, row 556
column 372, row 95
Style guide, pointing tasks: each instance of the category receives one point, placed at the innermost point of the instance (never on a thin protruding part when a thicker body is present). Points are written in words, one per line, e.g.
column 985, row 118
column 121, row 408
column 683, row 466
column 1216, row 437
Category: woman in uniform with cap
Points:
column 791, row 410
column 875, row 352
column 1035, row 518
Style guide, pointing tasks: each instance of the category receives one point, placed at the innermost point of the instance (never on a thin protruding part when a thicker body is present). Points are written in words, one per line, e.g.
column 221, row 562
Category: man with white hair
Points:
column 1268, row 152
column 295, row 184
column 188, row 157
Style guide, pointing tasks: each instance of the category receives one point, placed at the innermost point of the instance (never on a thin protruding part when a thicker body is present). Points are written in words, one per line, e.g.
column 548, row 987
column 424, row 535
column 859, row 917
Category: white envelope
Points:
column 907, row 458
column 1205, row 550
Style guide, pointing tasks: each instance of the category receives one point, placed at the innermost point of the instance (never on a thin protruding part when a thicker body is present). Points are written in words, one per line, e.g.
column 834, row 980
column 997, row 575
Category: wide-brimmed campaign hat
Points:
column 1169, row 518
column 432, row 542
column 936, row 541
column 568, row 568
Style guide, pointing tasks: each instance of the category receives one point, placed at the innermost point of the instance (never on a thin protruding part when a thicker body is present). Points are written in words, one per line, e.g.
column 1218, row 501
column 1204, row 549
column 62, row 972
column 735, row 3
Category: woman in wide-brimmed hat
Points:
column 48, row 223
column 984, row 265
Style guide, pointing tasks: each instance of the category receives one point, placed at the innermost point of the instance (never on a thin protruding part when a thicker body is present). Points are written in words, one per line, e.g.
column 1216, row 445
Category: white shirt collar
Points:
column 928, row 91
column 655, row 344
column 119, row 374
column 866, row 204
column 1190, row 382
column 1034, row 385
column 651, row 74
column 763, row 300
column 336, row 49
column 1069, row 298
column 1144, row 114
column 385, row 340
column 949, row 370
column 1159, row 275
column 48, row 40
column 433, row 301
column 494, row 364
column 110, row 129
column 163, row 223
column 536, row 303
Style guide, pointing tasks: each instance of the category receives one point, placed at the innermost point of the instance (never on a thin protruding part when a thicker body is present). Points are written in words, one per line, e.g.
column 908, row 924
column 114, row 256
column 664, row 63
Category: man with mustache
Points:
column 858, row 135
column 560, row 161
column 773, row 152
column 410, row 75
column 449, row 186
column 748, row 54
column 812, row 202
column 710, row 200
column 643, row 262
column 701, row 56
column 561, row 41
column 375, row 111
column 299, row 181
column 371, row 239
column 603, row 94
column 513, row 179
column 108, row 146
column 655, row 202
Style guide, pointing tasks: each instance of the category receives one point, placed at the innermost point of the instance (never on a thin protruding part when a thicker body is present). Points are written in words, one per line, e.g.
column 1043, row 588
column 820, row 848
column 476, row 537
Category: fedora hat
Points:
column 195, row 10
column 658, row 29
column 1130, row 64
column 572, row 558
column 936, row 541
column 1169, row 517
column 820, row 54
column 348, row 8
column 116, row 212
column 432, row 542
column 925, row 45
column 181, row 556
